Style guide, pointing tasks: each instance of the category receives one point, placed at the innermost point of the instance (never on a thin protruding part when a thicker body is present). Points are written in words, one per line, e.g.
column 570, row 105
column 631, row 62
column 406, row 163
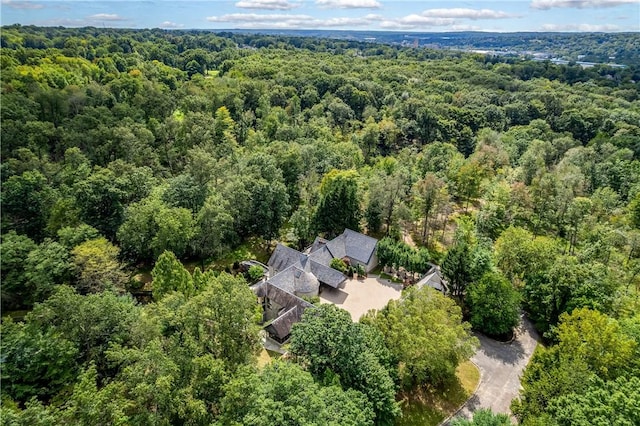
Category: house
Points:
column 433, row 278
column 360, row 249
column 281, row 310
column 295, row 275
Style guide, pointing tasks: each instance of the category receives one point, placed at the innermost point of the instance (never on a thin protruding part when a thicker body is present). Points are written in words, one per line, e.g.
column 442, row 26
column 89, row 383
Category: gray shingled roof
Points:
column 305, row 281
column 295, row 306
column 327, row 275
column 299, row 272
column 283, row 257
column 353, row 244
column 318, row 243
column 280, row 296
column 284, row 280
column 281, row 326
column 337, row 247
column 433, row 279
column 322, row 256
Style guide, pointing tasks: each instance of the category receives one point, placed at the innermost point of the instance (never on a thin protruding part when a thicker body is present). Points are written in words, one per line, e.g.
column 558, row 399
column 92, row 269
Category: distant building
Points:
column 294, row 275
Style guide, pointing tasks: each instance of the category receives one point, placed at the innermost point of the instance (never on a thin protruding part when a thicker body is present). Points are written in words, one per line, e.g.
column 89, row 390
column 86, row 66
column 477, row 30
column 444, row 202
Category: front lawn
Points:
column 428, row 406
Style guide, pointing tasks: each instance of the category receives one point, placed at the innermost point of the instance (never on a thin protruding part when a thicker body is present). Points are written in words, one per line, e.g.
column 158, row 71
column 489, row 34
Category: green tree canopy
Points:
column 283, row 393
column 169, row 275
column 590, row 345
column 484, row 417
column 494, row 304
column 15, row 249
column 339, row 203
column 439, row 339
column 151, row 227
column 328, row 344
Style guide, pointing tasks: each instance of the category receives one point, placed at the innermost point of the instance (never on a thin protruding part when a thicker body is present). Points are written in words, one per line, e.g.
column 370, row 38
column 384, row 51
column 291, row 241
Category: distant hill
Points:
column 619, row 48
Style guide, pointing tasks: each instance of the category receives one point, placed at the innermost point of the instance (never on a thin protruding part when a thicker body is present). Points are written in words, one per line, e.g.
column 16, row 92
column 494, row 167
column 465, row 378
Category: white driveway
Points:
column 358, row 296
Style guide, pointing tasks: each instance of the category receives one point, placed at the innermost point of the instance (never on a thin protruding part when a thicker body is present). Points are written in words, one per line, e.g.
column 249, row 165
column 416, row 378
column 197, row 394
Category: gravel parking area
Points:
column 357, row 296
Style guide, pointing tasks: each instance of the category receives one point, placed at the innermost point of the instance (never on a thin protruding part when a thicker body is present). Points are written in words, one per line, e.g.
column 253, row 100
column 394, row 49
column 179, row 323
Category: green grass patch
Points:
column 417, row 413
column 427, row 406
column 378, row 270
column 469, row 376
column 266, row 356
column 255, row 248
column 385, row 276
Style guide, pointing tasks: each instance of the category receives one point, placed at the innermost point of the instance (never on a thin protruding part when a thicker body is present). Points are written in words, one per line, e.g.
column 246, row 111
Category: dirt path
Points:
column 406, row 236
column 501, row 366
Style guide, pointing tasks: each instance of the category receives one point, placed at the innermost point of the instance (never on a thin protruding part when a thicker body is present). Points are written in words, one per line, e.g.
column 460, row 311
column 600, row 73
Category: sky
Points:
column 387, row 15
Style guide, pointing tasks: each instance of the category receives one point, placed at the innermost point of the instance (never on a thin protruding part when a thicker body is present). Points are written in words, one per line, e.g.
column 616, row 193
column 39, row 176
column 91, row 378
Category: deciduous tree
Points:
column 494, row 304
column 439, row 339
column 327, row 342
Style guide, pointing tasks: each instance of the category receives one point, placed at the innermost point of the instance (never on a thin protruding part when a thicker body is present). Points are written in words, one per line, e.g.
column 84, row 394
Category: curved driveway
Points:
column 501, row 365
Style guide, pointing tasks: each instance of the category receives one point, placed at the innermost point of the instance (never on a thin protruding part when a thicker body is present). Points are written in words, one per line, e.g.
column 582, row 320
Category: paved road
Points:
column 501, row 365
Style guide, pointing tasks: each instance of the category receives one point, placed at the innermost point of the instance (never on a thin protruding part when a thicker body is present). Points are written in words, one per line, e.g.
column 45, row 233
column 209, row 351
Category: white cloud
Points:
column 447, row 19
column 256, row 17
column 579, row 4
column 580, row 27
column 106, row 17
column 25, row 5
column 277, row 20
column 416, row 20
column 346, row 22
column 169, row 24
column 350, row 4
column 460, row 13
column 267, row 4
column 395, row 25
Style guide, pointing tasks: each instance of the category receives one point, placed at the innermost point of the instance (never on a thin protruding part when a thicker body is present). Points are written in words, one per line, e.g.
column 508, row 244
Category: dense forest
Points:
column 135, row 150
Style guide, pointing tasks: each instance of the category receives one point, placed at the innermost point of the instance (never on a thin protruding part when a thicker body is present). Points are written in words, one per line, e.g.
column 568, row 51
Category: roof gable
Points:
column 295, row 306
column 354, row 245
column 327, row 275
column 283, row 257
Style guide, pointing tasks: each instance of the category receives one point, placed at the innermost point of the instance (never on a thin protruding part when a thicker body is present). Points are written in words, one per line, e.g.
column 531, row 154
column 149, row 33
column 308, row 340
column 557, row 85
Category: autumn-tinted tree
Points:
column 97, row 267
